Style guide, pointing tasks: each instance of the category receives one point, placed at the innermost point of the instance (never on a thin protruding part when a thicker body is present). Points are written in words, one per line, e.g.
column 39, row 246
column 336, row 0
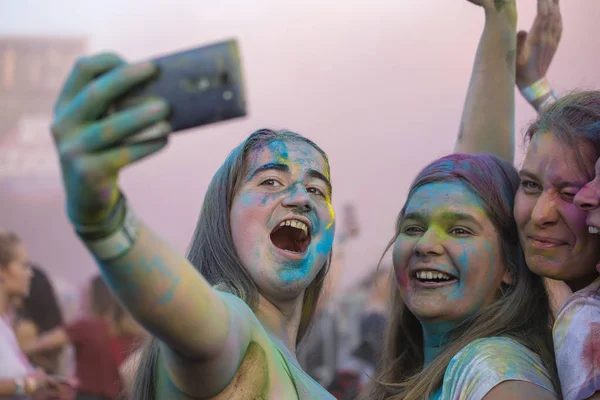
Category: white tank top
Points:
column 13, row 363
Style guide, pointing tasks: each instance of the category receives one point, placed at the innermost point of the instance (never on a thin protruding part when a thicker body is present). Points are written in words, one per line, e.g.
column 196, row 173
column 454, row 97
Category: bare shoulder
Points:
column 179, row 376
column 519, row 390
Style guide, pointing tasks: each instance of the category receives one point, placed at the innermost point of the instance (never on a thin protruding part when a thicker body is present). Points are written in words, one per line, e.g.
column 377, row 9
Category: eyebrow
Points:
column 269, row 167
column 528, row 174
column 559, row 183
column 448, row 216
column 317, row 175
column 284, row 168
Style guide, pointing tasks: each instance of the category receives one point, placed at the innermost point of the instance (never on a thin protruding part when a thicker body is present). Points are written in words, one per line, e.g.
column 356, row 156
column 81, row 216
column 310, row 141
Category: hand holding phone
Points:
column 111, row 114
column 201, row 86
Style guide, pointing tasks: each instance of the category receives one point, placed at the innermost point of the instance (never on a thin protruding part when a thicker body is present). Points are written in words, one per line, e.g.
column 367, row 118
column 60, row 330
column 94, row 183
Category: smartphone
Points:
column 202, row 86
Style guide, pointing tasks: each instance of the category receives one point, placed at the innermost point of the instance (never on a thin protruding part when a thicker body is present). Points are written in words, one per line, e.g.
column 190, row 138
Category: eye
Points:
column 315, row 190
column 412, row 230
column 568, row 196
column 459, row 231
column 530, row 187
column 271, row 182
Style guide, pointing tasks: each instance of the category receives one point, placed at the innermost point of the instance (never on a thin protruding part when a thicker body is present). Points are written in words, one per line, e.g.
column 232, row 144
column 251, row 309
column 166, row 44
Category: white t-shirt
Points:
column 577, row 343
column 484, row 363
column 13, row 363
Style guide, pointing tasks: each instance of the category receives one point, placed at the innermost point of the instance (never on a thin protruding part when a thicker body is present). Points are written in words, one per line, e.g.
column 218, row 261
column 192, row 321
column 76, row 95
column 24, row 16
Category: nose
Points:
column 429, row 245
column 298, row 198
column 587, row 198
column 544, row 214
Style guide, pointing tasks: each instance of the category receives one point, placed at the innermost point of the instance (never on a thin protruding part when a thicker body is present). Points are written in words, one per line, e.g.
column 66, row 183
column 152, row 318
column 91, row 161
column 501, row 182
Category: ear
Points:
column 507, row 278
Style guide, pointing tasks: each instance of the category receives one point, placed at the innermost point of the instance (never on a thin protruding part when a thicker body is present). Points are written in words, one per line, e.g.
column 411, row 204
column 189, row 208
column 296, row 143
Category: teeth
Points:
column 429, row 275
column 295, row 224
column 593, row 230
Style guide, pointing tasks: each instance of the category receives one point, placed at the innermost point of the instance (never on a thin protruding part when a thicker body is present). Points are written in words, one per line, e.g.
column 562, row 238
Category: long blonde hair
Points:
column 521, row 313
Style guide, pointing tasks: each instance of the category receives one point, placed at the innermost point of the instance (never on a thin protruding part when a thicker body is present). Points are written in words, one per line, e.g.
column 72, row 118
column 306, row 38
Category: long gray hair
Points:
column 212, row 250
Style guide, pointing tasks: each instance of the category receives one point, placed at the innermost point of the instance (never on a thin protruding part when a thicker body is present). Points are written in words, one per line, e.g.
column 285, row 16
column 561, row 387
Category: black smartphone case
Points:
column 202, row 86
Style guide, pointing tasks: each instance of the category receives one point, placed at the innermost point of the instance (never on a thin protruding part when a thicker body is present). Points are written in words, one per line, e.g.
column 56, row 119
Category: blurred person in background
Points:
column 39, row 313
column 318, row 354
column 18, row 378
column 373, row 320
column 360, row 323
column 102, row 342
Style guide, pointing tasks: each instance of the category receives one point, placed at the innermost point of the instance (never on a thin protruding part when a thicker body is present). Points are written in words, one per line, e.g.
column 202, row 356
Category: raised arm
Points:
column 487, row 123
column 155, row 283
column 535, row 51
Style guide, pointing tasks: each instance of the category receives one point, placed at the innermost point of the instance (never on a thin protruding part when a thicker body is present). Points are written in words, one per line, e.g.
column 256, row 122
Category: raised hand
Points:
column 536, row 49
column 90, row 143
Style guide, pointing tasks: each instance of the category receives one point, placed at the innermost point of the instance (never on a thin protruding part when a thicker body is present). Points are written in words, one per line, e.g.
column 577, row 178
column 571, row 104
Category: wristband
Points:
column 108, row 225
column 19, row 386
column 547, row 101
column 537, row 90
column 114, row 244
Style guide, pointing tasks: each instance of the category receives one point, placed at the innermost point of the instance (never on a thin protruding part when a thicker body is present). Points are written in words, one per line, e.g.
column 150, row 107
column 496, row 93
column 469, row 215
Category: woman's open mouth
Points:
column 292, row 235
column 433, row 279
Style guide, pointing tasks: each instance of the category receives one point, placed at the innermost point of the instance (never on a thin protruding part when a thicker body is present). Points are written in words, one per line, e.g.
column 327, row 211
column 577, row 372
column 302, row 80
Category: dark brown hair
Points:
column 41, row 306
column 521, row 313
column 575, row 120
column 212, row 250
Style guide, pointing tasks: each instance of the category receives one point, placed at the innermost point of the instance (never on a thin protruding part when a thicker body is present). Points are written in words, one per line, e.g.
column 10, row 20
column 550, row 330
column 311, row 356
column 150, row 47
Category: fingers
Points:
column 117, row 127
column 543, row 7
column 521, row 43
column 113, row 160
column 91, row 102
column 85, row 70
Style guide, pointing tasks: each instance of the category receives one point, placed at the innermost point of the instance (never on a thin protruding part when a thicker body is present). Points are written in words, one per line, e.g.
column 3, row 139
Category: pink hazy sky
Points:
column 379, row 85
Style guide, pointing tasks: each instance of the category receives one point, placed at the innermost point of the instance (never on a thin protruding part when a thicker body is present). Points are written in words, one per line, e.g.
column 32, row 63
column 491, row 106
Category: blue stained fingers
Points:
column 91, row 102
column 119, row 126
column 113, row 160
column 84, row 71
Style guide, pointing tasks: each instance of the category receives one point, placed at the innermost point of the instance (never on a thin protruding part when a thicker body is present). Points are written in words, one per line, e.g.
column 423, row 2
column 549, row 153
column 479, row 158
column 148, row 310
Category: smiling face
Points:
column 552, row 230
column 15, row 277
column 447, row 257
column 282, row 221
column 588, row 200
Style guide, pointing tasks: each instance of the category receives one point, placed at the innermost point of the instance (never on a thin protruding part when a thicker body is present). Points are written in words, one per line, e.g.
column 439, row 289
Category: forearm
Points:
column 52, row 340
column 166, row 294
column 10, row 387
column 487, row 123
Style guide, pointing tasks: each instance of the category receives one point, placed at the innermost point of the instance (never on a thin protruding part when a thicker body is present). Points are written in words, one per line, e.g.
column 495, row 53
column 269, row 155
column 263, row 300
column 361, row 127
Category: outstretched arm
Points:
column 487, row 123
column 197, row 326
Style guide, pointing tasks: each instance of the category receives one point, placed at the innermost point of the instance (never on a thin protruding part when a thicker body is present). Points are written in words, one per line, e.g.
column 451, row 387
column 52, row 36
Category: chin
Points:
column 427, row 313
column 543, row 266
column 279, row 290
